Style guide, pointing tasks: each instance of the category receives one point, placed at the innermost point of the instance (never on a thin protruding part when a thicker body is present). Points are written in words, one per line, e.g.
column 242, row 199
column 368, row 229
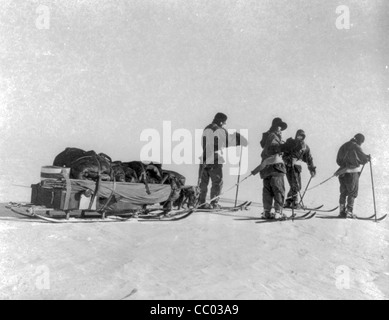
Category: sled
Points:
column 61, row 199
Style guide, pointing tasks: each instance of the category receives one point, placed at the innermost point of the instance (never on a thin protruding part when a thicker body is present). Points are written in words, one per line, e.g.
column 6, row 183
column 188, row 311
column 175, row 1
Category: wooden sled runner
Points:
column 58, row 217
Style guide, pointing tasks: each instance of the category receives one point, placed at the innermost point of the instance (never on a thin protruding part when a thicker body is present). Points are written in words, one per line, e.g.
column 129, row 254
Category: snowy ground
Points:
column 206, row 256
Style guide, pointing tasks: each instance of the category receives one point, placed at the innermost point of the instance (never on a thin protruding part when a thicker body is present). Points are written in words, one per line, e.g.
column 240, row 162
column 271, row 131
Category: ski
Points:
column 242, row 207
column 317, row 209
column 291, row 218
column 303, row 216
column 325, row 211
column 166, row 217
column 229, row 213
column 162, row 215
column 152, row 214
column 305, row 208
column 325, row 217
column 186, row 213
column 71, row 220
column 354, row 217
column 261, row 218
column 147, row 213
column 361, row 218
column 372, row 218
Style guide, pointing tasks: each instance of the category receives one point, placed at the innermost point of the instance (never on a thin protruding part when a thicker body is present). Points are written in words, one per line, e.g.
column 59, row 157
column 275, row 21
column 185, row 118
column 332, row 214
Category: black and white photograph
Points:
column 207, row 151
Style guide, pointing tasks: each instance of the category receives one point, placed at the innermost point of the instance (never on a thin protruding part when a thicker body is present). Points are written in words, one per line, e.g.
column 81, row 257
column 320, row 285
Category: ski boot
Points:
column 279, row 215
column 288, row 204
column 206, row 206
column 297, row 206
column 342, row 212
column 216, row 206
column 350, row 214
column 293, row 205
column 268, row 215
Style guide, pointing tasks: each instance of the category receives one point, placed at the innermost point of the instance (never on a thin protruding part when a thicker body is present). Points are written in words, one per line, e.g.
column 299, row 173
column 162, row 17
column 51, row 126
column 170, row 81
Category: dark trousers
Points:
column 349, row 188
column 273, row 192
column 294, row 179
column 213, row 172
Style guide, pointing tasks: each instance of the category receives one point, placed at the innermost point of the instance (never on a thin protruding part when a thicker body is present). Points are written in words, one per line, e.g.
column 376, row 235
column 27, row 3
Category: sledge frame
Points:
column 33, row 210
column 103, row 212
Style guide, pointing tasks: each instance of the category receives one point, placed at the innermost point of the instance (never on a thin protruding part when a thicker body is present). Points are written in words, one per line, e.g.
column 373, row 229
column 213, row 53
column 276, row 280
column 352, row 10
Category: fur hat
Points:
column 277, row 122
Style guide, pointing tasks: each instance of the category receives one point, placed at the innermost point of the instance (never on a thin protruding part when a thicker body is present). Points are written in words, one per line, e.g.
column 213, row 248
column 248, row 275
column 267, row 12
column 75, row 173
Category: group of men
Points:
column 279, row 159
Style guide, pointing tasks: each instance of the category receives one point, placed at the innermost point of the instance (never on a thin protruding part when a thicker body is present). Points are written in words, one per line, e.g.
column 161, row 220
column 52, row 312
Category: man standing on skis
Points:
column 293, row 161
column 350, row 158
column 272, row 169
column 215, row 139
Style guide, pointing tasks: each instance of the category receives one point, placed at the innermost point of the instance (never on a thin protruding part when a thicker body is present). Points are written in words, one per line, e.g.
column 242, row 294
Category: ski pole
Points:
column 309, row 182
column 202, row 168
column 253, row 173
column 21, row 186
column 339, row 172
column 362, row 169
column 292, row 188
column 237, row 184
column 372, row 185
column 220, row 195
column 201, row 172
column 333, row 176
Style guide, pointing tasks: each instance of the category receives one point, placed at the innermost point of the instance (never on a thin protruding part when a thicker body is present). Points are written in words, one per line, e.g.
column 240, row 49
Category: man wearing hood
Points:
column 272, row 169
column 350, row 158
column 215, row 139
column 293, row 161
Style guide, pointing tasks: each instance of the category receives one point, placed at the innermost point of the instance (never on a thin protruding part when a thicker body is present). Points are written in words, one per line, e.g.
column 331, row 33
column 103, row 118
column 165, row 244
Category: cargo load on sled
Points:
column 80, row 184
column 111, row 196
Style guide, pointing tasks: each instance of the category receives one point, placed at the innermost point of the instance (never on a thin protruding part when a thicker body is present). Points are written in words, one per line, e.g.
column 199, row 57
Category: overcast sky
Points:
column 104, row 71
